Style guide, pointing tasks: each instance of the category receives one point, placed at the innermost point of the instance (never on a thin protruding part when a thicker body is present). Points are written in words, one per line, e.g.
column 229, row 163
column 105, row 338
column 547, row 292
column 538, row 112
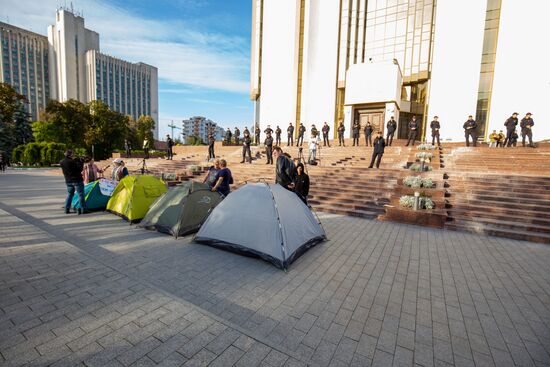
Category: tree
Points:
column 71, row 119
column 144, row 128
column 22, row 127
column 106, row 129
column 14, row 120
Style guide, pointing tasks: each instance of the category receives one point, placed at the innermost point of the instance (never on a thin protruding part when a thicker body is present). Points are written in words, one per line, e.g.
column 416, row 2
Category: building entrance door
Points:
column 376, row 120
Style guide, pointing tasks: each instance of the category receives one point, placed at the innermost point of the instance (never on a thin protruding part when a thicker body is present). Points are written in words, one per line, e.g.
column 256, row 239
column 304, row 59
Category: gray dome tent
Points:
column 181, row 210
column 264, row 220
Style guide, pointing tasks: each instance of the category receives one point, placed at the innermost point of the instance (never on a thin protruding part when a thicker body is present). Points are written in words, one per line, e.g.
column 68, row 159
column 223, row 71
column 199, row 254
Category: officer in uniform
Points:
column 211, row 142
column 269, row 148
column 526, row 126
column 246, row 148
column 355, row 131
column 470, row 127
column 413, row 130
column 378, row 150
column 290, row 135
column 314, row 131
column 341, row 130
column 257, row 132
column 237, row 135
column 278, row 136
column 301, row 131
column 269, row 130
column 434, row 125
column 368, row 134
column 325, row 129
column 391, row 126
column 228, row 136
column 510, row 123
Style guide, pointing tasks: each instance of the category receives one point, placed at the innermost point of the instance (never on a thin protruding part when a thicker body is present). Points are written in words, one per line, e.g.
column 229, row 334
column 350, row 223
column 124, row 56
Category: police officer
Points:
column 470, row 127
column 368, row 134
column 526, row 126
column 246, row 148
column 301, row 131
column 278, row 136
column 355, row 132
column 413, row 130
column 391, row 126
column 325, row 129
column 269, row 148
column 378, row 150
column 290, row 135
column 269, row 130
column 228, row 136
column 211, row 141
column 237, row 135
column 510, row 123
column 314, row 131
column 257, row 132
column 434, row 125
column 341, row 130
column 246, row 131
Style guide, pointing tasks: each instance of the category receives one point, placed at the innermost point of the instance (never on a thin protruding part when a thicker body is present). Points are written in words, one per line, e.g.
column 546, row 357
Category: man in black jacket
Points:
column 510, row 123
column 246, row 148
column 290, row 135
column 355, row 133
column 378, row 150
column 284, row 169
column 434, row 125
column 301, row 131
column 470, row 127
column 341, row 130
column 269, row 148
column 72, row 170
column 278, row 136
column 257, row 132
column 325, row 131
column 237, row 135
column 413, row 130
column 228, row 137
column 368, row 134
column 526, row 126
column 169, row 144
column 391, row 127
column 211, row 142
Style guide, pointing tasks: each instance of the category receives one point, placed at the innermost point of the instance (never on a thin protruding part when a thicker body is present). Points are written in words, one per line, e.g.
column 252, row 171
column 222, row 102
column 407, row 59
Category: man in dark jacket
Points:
column 526, row 126
column 290, row 135
column 378, row 150
column 435, row 126
column 169, row 144
column 368, row 134
column 413, row 130
column 246, row 148
column 355, row 133
column 269, row 148
column 470, row 127
column 391, row 127
column 228, row 136
column 211, row 142
column 510, row 123
column 301, row 131
column 284, row 169
column 341, row 130
column 325, row 129
column 72, row 170
column 257, row 132
column 278, row 132
column 237, row 135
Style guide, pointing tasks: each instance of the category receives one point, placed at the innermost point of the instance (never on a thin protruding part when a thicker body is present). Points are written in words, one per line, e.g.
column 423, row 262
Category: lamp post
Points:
column 172, row 126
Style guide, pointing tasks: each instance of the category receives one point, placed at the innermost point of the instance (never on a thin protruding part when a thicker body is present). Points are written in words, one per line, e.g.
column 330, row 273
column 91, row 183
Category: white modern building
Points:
column 201, row 127
column 343, row 60
column 24, row 65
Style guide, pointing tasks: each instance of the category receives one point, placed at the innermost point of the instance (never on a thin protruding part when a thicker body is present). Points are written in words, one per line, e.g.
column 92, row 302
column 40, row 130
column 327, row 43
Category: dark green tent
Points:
column 182, row 210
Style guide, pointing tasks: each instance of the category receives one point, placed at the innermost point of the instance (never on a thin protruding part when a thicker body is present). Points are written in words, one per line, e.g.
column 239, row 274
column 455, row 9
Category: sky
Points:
column 200, row 47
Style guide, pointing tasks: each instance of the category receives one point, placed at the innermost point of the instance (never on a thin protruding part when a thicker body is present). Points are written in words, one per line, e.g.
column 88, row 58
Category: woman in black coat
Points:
column 301, row 183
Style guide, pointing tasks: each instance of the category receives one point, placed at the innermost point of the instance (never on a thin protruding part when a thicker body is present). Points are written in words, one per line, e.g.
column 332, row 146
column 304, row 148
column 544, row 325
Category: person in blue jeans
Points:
column 72, row 170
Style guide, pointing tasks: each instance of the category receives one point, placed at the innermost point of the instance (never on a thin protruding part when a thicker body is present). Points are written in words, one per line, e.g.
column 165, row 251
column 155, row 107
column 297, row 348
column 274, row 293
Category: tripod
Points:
column 143, row 167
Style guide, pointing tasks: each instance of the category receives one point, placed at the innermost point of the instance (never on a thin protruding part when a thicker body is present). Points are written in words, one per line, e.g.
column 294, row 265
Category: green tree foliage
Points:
column 144, row 129
column 106, row 130
column 43, row 154
column 14, row 119
column 69, row 119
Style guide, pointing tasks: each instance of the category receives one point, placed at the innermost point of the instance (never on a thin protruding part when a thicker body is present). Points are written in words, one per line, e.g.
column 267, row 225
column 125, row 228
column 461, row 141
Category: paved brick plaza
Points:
column 92, row 290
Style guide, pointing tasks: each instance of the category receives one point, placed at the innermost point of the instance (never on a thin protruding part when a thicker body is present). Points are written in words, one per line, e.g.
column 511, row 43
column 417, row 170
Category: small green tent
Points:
column 134, row 195
column 182, row 210
column 94, row 198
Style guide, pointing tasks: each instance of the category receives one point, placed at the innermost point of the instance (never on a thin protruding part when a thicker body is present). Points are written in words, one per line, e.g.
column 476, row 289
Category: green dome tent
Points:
column 134, row 195
column 182, row 210
column 96, row 195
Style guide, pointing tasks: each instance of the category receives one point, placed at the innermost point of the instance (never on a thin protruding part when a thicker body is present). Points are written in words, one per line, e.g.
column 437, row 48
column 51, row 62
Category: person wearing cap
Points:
column 269, row 130
column 435, row 126
column 247, row 140
column 378, row 150
column 246, row 131
column 290, row 135
column 510, row 123
column 413, row 130
column 493, row 139
column 72, row 171
column 368, row 134
column 257, row 133
column 228, row 136
column 470, row 127
column 169, row 144
column 278, row 132
column 341, row 129
column 391, row 126
column 355, row 129
column 301, row 131
column 237, row 135
column 526, row 129
column 119, row 170
column 269, row 146
column 325, row 129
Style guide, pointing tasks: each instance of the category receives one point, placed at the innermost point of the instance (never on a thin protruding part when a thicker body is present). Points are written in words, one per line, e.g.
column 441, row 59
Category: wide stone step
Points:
column 491, row 230
column 506, row 212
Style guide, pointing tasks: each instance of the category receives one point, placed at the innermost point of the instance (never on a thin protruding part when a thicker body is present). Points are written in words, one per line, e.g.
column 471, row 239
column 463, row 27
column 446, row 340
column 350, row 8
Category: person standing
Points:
column 494, row 139
column 169, row 144
column 501, row 138
column 237, row 135
column 368, row 134
column 90, row 171
column 211, row 142
column 313, row 143
column 72, row 171
column 257, row 132
column 314, row 130
column 146, row 146
column 435, row 126
column 510, row 123
column 246, row 148
column 223, row 178
column 128, row 148
column 470, row 127
column 391, row 126
column 268, row 130
column 278, row 136
column 228, row 136
column 269, row 148
column 526, row 129
column 210, row 177
column 284, row 169
column 325, row 129
column 2, row 161
column 301, row 131
column 341, row 130
column 290, row 135
column 301, row 183
column 246, row 131
column 413, row 130
column 119, row 170
column 378, row 150
column 355, row 132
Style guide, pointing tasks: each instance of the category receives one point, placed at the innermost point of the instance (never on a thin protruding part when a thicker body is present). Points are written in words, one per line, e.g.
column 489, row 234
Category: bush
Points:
column 17, row 154
column 43, row 154
column 426, row 147
column 407, row 201
column 424, row 155
column 418, row 168
column 417, row 182
column 52, row 153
